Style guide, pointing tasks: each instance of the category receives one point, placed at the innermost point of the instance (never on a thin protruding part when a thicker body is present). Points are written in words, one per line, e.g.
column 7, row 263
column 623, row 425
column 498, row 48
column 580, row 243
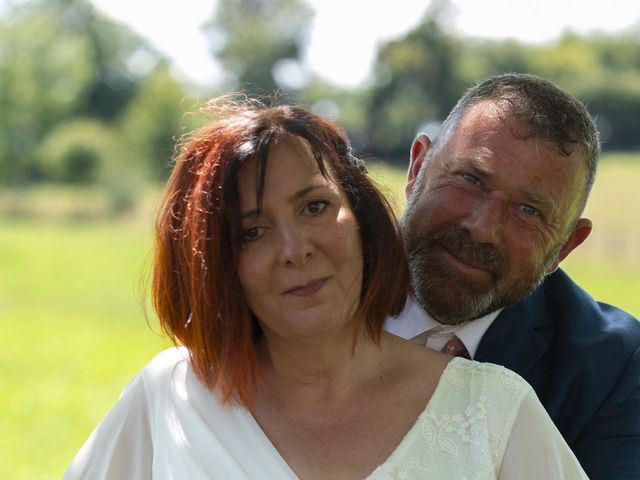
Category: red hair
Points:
column 195, row 288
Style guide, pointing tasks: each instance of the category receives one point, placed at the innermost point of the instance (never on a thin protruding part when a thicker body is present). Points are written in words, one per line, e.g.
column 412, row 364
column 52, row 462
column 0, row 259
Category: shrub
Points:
column 78, row 152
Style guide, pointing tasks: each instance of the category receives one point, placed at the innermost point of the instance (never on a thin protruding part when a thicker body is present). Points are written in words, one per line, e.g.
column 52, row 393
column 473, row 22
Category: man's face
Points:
column 490, row 217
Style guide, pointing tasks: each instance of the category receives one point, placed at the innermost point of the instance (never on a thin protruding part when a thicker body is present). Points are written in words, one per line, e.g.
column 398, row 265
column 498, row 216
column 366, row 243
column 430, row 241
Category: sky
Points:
column 345, row 34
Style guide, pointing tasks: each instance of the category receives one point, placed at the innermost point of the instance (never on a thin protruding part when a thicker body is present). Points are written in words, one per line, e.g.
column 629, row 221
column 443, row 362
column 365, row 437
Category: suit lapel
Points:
column 519, row 336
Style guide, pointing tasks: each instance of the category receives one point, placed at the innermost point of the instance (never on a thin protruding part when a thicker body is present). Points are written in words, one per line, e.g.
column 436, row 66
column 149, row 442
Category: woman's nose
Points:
column 296, row 246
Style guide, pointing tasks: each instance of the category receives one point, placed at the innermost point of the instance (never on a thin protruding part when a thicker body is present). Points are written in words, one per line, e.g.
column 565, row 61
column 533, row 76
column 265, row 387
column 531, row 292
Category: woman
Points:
column 277, row 261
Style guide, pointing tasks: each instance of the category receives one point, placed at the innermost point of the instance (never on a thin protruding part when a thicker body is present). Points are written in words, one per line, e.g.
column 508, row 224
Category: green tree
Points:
column 416, row 82
column 42, row 78
column 152, row 122
column 421, row 76
column 59, row 59
column 481, row 59
column 80, row 152
column 254, row 38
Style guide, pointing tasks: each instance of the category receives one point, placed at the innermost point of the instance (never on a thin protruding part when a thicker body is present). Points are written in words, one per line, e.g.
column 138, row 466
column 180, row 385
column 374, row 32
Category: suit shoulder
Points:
column 574, row 325
column 573, row 307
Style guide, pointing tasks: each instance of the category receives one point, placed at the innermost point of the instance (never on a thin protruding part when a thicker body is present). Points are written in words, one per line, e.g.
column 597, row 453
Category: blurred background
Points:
column 94, row 95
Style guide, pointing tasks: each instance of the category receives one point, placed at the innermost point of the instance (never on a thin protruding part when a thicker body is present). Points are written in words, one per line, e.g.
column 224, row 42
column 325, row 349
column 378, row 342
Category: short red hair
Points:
column 196, row 291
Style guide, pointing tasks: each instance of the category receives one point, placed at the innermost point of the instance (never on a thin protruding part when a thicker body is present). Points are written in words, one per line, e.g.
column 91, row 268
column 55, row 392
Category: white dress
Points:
column 483, row 422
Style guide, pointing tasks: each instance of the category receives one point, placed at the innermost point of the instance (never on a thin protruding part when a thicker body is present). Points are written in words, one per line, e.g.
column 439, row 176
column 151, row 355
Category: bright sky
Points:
column 346, row 33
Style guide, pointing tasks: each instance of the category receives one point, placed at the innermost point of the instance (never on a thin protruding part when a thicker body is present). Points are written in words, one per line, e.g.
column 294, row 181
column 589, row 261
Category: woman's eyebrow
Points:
column 297, row 195
column 303, row 191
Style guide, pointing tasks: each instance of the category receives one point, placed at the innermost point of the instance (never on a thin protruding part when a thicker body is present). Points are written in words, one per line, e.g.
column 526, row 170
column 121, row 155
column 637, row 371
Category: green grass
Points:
column 76, row 332
column 391, row 180
column 607, row 265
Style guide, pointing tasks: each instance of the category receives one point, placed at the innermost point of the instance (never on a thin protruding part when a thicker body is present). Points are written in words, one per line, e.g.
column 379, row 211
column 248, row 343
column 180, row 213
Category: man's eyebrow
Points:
column 535, row 198
column 477, row 166
column 538, row 199
column 297, row 195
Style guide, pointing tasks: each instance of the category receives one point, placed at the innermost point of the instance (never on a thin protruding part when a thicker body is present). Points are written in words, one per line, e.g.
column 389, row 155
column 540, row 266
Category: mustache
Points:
column 458, row 241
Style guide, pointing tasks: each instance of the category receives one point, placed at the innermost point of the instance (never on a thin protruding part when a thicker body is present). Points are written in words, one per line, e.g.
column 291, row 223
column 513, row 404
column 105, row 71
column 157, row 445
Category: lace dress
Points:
column 483, row 422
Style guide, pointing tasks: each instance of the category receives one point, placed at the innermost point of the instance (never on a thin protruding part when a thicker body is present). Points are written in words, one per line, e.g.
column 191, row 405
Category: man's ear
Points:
column 580, row 233
column 419, row 150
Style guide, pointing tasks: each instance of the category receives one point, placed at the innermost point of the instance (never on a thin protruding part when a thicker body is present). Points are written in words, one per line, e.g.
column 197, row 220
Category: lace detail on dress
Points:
column 462, row 433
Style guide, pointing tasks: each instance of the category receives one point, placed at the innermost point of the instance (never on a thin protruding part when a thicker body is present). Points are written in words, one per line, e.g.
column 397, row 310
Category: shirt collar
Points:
column 415, row 320
column 412, row 321
column 472, row 332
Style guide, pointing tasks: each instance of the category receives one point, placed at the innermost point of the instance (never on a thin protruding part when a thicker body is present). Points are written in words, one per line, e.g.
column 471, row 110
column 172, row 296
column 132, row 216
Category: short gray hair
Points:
column 547, row 113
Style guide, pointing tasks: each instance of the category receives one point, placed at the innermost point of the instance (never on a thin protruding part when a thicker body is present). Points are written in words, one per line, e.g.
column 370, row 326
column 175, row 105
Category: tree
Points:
column 42, row 78
column 80, row 152
column 416, row 82
column 420, row 77
column 59, row 59
column 254, row 38
column 151, row 124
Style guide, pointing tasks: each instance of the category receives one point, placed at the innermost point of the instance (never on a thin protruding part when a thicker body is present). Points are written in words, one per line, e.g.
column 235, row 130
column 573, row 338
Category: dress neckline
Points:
column 396, row 451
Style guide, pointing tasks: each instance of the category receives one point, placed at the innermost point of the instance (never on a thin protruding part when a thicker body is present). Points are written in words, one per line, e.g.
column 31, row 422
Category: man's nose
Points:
column 484, row 221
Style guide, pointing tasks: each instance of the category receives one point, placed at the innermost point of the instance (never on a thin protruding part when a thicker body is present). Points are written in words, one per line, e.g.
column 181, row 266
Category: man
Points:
column 494, row 205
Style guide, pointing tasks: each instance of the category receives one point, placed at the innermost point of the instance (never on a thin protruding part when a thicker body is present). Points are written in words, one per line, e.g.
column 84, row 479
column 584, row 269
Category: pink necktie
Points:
column 456, row 348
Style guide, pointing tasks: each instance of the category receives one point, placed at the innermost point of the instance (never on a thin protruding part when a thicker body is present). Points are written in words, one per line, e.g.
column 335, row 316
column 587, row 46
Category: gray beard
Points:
column 452, row 298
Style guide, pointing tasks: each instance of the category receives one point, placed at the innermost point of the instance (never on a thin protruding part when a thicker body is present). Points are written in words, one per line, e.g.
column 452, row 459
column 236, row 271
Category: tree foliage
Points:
column 78, row 105
column 420, row 76
column 68, row 80
column 415, row 82
column 79, row 151
column 253, row 38
column 153, row 120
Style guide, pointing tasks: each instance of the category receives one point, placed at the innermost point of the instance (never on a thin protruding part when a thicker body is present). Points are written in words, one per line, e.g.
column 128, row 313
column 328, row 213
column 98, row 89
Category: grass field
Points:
column 76, row 333
column 76, row 330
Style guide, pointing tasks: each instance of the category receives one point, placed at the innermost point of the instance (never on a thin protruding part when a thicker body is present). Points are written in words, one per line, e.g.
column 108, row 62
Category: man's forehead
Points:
column 492, row 142
column 487, row 118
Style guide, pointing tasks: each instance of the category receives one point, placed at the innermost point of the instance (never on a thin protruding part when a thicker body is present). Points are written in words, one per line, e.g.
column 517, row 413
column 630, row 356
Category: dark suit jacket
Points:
column 583, row 360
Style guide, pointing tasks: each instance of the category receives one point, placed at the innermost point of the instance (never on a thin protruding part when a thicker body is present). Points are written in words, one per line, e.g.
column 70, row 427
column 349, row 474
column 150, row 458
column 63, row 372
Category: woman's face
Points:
column 301, row 260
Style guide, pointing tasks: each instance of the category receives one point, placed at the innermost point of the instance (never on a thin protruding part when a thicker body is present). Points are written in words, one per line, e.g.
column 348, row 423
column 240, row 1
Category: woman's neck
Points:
column 319, row 367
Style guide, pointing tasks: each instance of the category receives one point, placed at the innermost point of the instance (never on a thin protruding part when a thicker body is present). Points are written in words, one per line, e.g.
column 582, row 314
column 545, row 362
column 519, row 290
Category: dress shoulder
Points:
column 165, row 362
column 464, row 429
column 463, row 374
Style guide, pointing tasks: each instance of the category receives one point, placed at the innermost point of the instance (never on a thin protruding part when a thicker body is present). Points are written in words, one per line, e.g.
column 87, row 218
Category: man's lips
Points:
column 307, row 289
column 463, row 264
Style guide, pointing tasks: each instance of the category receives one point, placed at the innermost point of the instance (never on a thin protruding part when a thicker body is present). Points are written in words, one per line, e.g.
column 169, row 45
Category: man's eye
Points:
column 315, row 207
column 253, row 233
column 472, row 179
column 528, row 209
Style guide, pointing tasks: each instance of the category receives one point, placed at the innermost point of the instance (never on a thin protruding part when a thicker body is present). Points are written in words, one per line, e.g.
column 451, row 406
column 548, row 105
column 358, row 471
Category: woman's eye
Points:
column 315, row 207
column 253, row 233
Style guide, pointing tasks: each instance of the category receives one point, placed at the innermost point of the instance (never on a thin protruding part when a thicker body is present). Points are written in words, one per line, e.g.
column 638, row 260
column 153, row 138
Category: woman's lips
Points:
column 308, row 289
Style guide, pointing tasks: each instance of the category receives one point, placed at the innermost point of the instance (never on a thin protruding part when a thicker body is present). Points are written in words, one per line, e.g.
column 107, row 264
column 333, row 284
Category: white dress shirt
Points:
column 414, row 323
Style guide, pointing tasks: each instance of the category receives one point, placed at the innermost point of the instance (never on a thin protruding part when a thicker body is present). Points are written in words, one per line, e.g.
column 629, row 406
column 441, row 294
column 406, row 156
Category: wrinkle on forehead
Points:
column 502, row 114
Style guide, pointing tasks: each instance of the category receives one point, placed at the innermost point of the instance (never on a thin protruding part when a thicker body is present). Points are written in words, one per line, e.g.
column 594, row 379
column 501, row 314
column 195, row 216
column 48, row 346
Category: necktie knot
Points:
column 456, row 348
